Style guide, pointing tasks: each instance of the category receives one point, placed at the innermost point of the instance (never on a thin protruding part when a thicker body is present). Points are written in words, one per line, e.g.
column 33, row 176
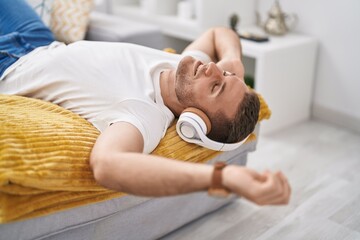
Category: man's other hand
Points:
column 267, row 188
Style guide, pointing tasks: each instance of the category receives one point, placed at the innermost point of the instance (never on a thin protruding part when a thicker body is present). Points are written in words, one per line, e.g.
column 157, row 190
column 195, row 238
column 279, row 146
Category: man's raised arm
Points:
column 118, row 164
column 223, row 46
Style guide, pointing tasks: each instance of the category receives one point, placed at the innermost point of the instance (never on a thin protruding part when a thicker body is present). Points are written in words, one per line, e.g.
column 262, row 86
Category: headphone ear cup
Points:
column 200, row 114
column 193, row 125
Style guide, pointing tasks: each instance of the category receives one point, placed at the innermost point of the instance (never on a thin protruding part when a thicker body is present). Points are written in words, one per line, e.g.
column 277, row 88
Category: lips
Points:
column 197, row 66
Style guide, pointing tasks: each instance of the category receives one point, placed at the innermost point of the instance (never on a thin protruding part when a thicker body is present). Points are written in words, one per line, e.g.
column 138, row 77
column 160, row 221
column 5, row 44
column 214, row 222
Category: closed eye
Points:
column 219, row 88
column 222, row 89
column 215, row 87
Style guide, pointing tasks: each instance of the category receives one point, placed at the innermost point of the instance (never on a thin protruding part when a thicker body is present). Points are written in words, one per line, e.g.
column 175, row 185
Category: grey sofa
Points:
column 128, row 217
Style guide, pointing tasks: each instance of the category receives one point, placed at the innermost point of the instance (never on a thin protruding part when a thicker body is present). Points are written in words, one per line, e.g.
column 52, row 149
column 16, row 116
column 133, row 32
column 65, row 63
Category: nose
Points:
column 212, row 69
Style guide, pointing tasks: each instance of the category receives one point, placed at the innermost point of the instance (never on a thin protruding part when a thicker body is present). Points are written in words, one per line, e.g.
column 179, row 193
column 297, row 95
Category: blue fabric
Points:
column 21, row 31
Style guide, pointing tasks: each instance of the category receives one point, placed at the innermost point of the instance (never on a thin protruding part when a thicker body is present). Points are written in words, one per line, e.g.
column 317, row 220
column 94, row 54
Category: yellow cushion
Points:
column 69, row 19
column 44, row 154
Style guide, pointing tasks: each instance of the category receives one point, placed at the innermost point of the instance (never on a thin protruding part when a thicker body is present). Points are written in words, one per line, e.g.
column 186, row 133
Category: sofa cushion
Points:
column 69, row 19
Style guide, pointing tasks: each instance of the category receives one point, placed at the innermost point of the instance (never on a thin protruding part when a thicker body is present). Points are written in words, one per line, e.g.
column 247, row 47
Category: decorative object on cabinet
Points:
column 278, row 22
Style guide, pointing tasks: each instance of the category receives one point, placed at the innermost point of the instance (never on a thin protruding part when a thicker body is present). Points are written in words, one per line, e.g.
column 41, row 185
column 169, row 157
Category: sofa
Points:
column 47, row 190
column 103, row 214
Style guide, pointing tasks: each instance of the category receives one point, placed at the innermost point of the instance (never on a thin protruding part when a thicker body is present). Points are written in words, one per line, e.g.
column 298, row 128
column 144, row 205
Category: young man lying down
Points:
column 132, row 94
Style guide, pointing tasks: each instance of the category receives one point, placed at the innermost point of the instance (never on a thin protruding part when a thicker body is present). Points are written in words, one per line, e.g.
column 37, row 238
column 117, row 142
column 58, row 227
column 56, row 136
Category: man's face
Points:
column 208, row 87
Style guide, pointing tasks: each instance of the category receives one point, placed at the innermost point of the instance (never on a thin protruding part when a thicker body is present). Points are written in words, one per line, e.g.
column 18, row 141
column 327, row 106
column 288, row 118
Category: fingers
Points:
column 274, row 191
column 282, row 193
column 260, row 188
column 287, row 189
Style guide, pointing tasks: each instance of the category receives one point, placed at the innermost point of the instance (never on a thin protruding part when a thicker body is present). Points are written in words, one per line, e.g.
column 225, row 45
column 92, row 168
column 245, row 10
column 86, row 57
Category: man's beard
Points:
column 183, row 85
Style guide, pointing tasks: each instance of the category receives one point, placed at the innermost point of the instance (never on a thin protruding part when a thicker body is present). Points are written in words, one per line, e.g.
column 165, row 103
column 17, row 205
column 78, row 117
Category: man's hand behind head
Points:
column 233, row 66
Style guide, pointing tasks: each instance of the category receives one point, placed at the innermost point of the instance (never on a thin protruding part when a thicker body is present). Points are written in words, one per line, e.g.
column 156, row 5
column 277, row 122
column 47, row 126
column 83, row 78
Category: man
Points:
column 132, row 94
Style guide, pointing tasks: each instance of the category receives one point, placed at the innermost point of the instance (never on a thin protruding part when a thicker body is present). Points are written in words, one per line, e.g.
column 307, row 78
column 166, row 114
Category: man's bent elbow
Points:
column 99, row 164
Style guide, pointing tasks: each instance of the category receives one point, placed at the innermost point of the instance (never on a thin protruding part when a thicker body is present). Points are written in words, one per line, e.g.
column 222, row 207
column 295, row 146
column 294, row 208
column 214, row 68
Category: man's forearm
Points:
column 149, row 175
column 218, row 43
column 227, row 44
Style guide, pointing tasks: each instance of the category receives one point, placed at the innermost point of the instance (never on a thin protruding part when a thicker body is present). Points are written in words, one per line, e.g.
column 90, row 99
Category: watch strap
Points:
column 217, row 189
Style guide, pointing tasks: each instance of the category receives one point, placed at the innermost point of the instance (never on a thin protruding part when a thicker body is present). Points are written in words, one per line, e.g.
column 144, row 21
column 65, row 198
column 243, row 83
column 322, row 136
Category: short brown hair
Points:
column 234, row 130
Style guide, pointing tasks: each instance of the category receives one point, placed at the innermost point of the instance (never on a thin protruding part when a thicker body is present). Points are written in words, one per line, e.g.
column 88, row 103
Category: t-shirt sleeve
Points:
column 200, row 55
column 146, row 118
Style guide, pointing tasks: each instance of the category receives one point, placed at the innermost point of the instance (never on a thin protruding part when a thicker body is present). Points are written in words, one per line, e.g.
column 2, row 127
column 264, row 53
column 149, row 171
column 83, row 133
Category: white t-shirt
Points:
column 102, row 82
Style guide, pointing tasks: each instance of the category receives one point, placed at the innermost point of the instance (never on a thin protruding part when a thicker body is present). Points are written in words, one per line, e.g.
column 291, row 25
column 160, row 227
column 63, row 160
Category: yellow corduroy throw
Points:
column 44, row 158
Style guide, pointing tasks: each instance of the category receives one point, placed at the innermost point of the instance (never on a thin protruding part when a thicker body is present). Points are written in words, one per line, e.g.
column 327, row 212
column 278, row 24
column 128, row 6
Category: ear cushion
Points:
column 202, row 115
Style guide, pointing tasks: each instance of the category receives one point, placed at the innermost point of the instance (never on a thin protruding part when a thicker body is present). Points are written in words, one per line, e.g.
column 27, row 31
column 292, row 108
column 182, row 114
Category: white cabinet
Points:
column 283, row 73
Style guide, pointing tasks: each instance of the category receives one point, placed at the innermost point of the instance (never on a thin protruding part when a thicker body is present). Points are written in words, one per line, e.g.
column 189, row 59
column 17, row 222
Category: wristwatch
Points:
column 217, row 189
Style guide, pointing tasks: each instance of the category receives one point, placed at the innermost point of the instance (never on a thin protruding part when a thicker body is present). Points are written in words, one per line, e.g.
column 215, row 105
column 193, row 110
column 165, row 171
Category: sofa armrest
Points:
column 105, row 27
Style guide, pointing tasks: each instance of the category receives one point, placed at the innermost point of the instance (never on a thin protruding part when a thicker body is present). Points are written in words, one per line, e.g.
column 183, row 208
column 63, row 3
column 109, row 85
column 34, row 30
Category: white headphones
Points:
column 193, row 126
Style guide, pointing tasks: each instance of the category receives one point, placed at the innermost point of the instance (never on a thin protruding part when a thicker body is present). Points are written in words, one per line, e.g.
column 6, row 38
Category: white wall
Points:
column 336, row 25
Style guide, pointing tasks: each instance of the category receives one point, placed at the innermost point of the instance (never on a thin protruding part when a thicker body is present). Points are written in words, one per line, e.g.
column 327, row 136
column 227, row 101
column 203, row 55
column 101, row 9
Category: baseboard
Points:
column 332, row 116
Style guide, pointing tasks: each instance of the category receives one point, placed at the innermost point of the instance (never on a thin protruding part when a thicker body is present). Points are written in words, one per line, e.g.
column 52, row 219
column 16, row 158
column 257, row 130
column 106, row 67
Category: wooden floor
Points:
column 322, row 162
